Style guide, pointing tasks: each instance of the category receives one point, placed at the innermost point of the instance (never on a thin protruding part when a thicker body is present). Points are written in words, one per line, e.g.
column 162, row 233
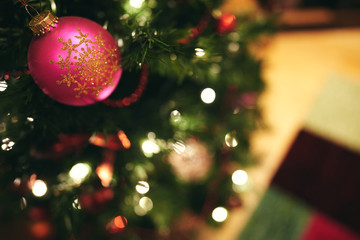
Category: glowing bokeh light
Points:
column 41, row 230
column 7, row 144
column 105, row 173
column 208, row 95
column 199, row 52
column 149, row 147
column 230, row 139
column 76, row 204
column 239, row 177
column 146, row 203
column 39, row 188
column 139, row 211
column 79, row 172
column 142, row 187
column 116, row 224
column 53, row 6
column 120, row 222
column 179, row 147
column 219, row 214
column 30, row 119
column 136, row 3
column 3, row 86
column 175, row 116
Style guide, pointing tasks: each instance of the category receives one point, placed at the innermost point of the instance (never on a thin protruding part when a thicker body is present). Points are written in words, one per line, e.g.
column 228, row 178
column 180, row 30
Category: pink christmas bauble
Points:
column 76, row 62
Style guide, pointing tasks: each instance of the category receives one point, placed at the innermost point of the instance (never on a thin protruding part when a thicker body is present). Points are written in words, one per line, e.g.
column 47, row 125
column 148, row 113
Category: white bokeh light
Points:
column 199, row 52
column 230, row 139
column 208, row 95
column 136, row 3
column 149, row 147
column 79, row 172
column 39, row 188
column 239, row 177
column 3, row 86
column 142, row 187
column 146, row 203
column 219, row 214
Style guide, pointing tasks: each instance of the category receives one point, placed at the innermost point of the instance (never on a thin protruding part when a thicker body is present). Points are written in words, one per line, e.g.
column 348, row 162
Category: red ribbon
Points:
column 134, row 97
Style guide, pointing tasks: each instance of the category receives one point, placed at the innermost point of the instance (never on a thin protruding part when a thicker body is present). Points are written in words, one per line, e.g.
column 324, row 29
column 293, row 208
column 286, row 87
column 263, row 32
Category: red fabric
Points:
column 323, row 228
column 323, row 175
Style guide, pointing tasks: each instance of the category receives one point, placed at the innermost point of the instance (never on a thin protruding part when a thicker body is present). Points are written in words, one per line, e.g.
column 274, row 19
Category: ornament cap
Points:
column 43, row 22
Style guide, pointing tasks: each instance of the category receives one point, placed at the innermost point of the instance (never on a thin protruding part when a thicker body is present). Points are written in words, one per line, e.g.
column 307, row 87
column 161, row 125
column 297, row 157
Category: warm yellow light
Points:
column 105, row 173
column 219, row 214
column 208, row 95
column 142, row 187
column 79, row 172
column 239, row 177
column 136, row 3
column 39, row 189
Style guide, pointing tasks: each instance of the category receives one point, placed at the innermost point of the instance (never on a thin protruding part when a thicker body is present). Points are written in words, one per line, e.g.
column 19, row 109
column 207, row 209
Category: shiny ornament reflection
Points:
column 191, row 160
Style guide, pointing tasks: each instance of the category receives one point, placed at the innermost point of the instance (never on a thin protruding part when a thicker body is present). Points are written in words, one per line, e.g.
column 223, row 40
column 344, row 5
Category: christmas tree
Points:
column 160, row 155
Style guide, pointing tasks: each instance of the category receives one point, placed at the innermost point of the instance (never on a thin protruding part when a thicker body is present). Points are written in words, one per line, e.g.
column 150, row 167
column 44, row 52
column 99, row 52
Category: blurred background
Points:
column 306, row 185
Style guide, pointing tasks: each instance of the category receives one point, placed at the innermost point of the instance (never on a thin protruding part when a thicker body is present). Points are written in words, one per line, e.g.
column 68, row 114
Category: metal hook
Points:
column 27, row 10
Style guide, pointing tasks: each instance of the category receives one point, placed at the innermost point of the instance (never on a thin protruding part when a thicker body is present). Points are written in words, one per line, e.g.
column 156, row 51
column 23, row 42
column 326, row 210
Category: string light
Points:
column 39, row 188
column 120, row 42
column 30, row 119
column 79, row 172
column 105, row 173
column 239, row 177
column 3, row 86
column 76, row 204
column 175, row 116
column 208, row 95
column 7, row 144
column 230, row 139
column 142, row 187
column 116, row 224
column 199, row 52
column 53, row 6
column 149, row 147
column 136, row 3
column 219, row 214
column 146, row 203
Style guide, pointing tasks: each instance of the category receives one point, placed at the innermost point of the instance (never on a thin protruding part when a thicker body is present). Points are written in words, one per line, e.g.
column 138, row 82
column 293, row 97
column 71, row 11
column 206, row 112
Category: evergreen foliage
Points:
column 149, row 35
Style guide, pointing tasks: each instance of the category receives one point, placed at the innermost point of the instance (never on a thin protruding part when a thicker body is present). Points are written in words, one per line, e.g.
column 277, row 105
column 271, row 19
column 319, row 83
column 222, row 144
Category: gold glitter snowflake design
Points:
column 90, row 68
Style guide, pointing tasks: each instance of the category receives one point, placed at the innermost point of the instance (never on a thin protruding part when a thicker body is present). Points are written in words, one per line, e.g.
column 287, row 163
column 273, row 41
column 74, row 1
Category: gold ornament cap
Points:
column 42, row 22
